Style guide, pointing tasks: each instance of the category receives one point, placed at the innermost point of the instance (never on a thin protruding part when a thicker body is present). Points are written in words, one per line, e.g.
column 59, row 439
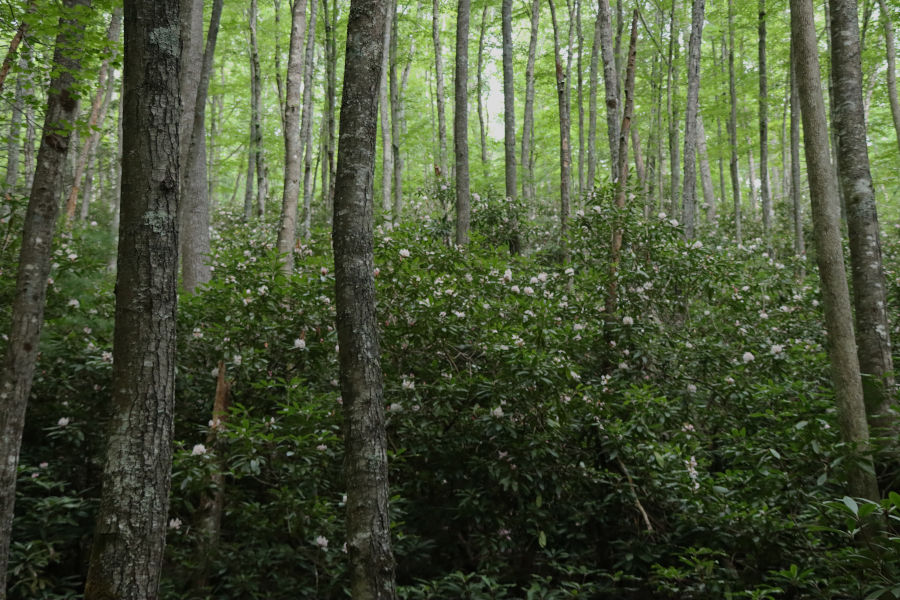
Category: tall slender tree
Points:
column 293, row 144
column 528, row 113
column 256, row 138
column 764, row 192
column 365, row 463
column 439, row 88
column 565, row 152
column 841, row 344
column 869, row 290
column 309, row 70
column 461, row 122
column 130, row 533
column 27, row 318
column 194, row 204
column 796, row 185
column 509, row 103
column 732, row 127
column 891, row 56
column 691, row 112
column 610, row 84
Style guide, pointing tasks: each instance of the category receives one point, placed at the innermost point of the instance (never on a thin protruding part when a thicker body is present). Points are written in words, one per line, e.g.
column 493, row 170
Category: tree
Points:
column 27, row 315
column 258, row 154
column 796, row 191
column 384, row 106
column 98, row 114
column 365, row 463
column 439, row 89
column 194, row 205
column 129, row 538
column 610, row 84
column 691, row 111
column 293, row 146
column 765, row 194
column 841, row 345
column 461, row 123
column 732, row 125
column 565, row 153
column 528, row 113
column 307, row 117
column 891, row 56
column 869, row 290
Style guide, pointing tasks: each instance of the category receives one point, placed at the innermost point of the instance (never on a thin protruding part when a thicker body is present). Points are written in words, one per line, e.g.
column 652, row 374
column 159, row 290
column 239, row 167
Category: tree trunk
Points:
column 509, row 121
column 365, row 462
column 28, row 154
column 622, row 178
column 765, row 194
column 579, row 84
column 461, row 123
column 528, row 114
column 194, row 206
column 691, row 115
column 94, row 142
column 732, row 126
column 262, row 171
column 593, row 76
column 709, row 194
column 796, row 185
column 891, row 53
column 751, row 167
column 189, row 76
column 329, row 124
column 95, row 120
column 308, row 118
column 841, row 344
column 27, row 315
column 279, row 84
column 565, row 154
column 15, row 126
column 130, row 533
column 479, row 89
column 439, row 90
column 384, row 106
column 672, row 104
column 610, row 84
column 14, row 43
column 869, row 291
column 293, row 146
column 397, row 90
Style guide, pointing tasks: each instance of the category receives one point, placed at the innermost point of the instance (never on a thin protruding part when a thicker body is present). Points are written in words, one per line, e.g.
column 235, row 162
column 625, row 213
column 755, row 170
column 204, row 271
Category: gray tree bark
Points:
column 262, row 171
column 479, row 88
column 293, row 141
column 130, row 532
column 691, row 111
column 579, row 85
column 15, row 128
column 329, row 124
column 593, row 76
column 27, row 316
column 732, row 126
column 706, row 180
column 869, row 291
column 439, row 90
column 384, row 106
column 528, row 114
column 610, row 84
column 509, row 102
column 308, row 118
column 461, row 123
column 189, row 75
column 672, row 103
column 796, row 185
column 765, row 193
column 565, row 153
column 397, row 89
column 194, row 205
column 841, row 344
column 365, row 463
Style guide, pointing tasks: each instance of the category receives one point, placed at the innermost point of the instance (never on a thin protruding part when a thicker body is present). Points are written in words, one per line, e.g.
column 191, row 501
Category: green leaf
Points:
column 542, row 539
column 851, row 504
column 774, row 452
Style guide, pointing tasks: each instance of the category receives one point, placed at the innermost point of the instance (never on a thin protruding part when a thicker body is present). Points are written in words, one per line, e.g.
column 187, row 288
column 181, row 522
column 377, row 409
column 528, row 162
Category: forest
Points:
column 449, row 299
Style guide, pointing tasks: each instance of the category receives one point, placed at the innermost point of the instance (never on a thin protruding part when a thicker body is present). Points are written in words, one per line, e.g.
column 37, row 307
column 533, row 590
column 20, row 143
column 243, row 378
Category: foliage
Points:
column 684, row 447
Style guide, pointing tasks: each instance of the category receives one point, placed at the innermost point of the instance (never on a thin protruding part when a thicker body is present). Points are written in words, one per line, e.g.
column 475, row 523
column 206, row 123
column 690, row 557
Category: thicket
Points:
column 684, row 447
